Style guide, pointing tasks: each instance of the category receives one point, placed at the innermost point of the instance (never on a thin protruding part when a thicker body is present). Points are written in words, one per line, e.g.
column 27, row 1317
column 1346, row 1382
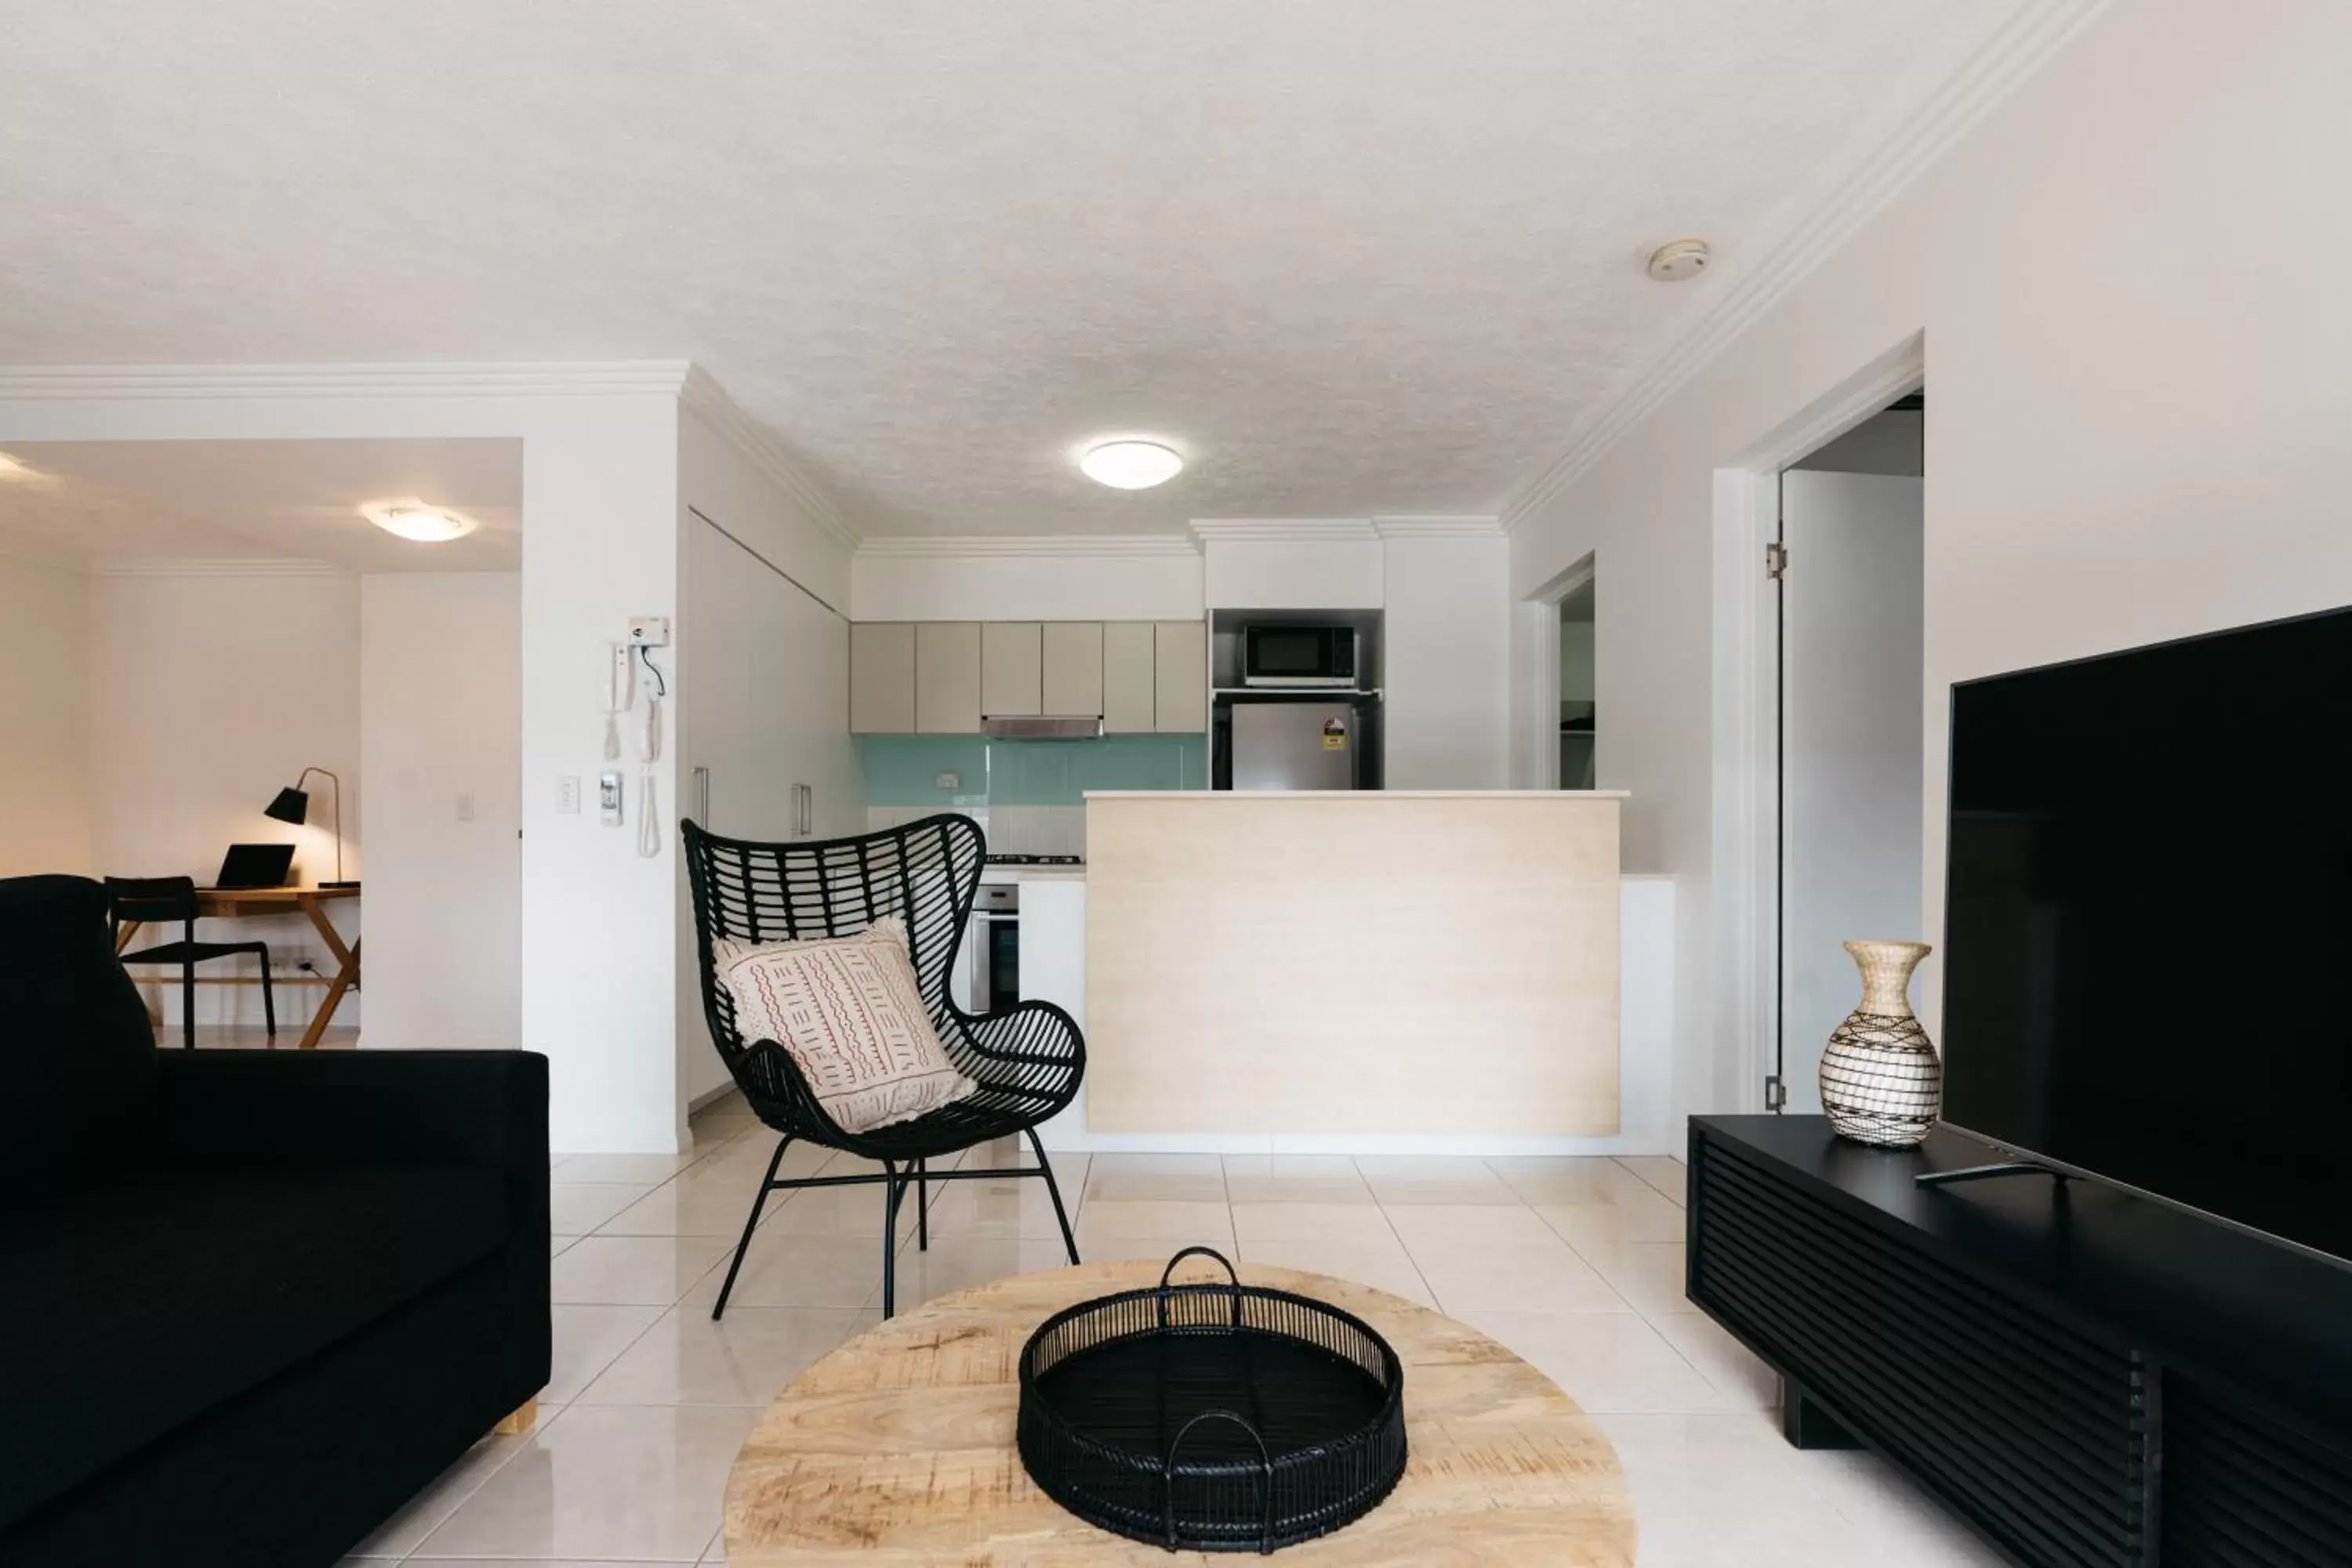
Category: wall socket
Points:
column 567, row 795
column 947, row 781
column 649, row 631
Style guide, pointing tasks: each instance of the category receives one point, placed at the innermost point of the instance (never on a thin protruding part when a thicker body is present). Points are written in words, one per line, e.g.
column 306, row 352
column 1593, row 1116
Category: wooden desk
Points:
column 896, row 1449
column 240, row 903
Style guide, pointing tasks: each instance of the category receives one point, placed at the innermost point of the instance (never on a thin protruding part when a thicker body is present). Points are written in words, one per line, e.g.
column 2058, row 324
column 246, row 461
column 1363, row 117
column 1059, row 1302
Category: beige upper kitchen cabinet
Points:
column 946, row 678
column 1011, row 669
column 882, row 677
column 1128, row 677
column 1072, row 684
column 1180, row 678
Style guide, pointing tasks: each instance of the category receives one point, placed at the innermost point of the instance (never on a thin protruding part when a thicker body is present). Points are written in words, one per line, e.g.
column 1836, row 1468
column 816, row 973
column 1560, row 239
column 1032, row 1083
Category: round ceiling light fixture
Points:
column 1678, row 260
column 1131, row 465
column 412, row 519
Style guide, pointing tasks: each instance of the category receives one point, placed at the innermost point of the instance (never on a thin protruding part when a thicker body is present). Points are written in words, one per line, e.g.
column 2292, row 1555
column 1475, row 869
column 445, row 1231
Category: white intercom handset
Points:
column 620, row 693
column 646, row 633
column 648, row 753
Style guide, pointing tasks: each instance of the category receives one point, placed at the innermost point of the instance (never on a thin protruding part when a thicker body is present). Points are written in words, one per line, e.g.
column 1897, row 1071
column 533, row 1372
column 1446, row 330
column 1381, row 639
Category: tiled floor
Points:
column 1575, row 1264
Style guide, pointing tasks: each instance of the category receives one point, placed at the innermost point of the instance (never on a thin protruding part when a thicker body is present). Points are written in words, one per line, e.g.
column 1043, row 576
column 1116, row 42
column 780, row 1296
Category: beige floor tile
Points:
column 1170, row 1178
column 798, row 1271
column 1720, row 1359
column 676, row 1209
column 1670, row 1176
column 557, row 1243
column 1177, row 1223
column 963, row 1262
column 836, row 1211
column 1472, row 1277
column 588, row 1338
column 1295, row 1179
column 401, row 1534
column 1470, row 1225
column 1571, row 1179
column 576, row 1208
column 1362, row 1222
column 629, row 1482
column 1649, row 1275
column 1415, row 1179
column 643, row 1270
column 1007, row 1205
column 1648, row 1218
column 1383, row 1266
column 1604, row 1360
column 639, row 1169
column 744, row 1359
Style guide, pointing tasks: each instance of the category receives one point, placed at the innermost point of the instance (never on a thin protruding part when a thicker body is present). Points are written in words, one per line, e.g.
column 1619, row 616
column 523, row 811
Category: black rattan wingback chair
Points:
column 1028, row 1060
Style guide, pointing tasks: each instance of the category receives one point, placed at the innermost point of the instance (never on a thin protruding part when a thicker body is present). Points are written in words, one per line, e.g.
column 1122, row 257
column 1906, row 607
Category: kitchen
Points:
column 1214, row 676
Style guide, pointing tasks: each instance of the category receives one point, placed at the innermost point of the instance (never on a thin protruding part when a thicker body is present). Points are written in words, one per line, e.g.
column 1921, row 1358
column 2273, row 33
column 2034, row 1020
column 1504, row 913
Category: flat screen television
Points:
column 2148, row 943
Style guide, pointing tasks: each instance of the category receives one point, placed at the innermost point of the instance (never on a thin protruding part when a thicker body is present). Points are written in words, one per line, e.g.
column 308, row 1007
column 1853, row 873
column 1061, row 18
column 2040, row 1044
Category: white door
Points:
column 1852, row 737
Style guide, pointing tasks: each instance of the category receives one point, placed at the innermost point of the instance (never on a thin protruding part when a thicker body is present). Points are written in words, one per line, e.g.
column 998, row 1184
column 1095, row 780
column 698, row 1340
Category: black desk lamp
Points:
column 293, row 805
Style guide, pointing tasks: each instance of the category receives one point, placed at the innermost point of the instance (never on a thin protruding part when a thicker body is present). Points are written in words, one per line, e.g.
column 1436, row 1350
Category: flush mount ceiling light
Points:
column 412, row 519
column 1130, row 465
column 1678, row 260
column 18, row 469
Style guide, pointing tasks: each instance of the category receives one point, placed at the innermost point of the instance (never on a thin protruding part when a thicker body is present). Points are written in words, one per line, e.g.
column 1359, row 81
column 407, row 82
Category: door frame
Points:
column 1538, row 618
column 1747, row 708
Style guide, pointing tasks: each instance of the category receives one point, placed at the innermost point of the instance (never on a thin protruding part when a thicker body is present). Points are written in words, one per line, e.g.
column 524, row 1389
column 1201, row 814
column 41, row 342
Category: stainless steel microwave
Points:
column 1299, row 655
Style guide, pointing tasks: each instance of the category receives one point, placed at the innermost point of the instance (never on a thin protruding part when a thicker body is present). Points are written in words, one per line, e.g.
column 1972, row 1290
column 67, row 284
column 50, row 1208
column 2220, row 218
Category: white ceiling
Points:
column 1367, row 258
column 100, row 504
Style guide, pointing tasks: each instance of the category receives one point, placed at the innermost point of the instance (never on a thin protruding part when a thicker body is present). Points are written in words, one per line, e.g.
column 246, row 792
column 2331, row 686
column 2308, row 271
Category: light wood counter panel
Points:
column 1431, row 964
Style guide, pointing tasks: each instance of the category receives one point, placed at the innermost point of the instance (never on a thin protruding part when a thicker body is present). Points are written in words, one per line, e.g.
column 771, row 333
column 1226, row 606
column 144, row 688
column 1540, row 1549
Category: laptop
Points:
column 256, row 865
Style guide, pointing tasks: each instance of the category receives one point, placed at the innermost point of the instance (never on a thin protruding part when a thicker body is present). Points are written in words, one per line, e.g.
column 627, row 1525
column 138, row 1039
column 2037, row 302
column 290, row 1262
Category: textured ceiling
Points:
column 95, row 504
column 1356, row 256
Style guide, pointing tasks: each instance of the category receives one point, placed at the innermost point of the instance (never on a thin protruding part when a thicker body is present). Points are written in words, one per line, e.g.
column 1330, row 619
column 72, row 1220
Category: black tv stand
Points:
column 1997, row 1168
column 2088, row 1378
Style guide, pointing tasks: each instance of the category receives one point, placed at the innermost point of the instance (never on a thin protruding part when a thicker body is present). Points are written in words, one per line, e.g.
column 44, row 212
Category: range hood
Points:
column 1033, row 729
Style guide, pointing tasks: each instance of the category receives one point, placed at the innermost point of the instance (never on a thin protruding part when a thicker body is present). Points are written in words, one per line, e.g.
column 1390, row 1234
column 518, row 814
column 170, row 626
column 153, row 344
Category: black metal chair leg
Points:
column 188, row 1005
column 766, row 1183
column 268, row 1002
column 922, row 1206
column 894, row 1188
column 1054, row 1191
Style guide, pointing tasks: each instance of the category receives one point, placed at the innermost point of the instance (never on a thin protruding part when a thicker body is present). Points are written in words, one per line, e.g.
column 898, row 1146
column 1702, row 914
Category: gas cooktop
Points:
column 1036, row 859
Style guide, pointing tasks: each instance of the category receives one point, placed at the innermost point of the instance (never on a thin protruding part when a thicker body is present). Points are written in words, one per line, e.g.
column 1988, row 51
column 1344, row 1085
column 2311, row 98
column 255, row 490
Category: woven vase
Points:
column 1881, row 1082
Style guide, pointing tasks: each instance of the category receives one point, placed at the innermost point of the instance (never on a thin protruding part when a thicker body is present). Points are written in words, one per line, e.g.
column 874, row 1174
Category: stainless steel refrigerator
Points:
column 1305, row 743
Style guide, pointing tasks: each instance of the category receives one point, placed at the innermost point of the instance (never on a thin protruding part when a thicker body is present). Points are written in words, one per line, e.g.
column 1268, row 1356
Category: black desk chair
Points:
column 162, row 900
column 1028, row 1060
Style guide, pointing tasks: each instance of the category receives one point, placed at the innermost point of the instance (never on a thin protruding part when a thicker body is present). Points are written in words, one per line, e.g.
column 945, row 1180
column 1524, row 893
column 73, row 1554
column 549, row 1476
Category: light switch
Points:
column 567, row 795
column 947, row 781
column 465, row 808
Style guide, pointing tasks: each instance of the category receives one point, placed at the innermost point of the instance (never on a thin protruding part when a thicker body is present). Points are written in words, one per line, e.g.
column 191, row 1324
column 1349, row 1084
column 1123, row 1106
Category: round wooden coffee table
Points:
column 897, row 1448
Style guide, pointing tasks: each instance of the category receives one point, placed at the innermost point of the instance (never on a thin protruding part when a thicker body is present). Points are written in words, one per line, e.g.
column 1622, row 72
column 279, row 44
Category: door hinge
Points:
column 1776, row 561
column 1776, row 1093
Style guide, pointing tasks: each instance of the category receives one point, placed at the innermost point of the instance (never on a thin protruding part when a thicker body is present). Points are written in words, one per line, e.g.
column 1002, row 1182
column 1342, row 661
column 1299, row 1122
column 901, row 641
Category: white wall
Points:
column 441, row 719
column 211, row 690
column 45, row 814
column 1891, row 441
column 763, row 678
column 1057, row 580
column 1446, row 661
column 2135, row 422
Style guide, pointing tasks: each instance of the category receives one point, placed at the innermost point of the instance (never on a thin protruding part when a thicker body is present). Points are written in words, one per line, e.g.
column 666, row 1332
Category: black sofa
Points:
column 250, row 1301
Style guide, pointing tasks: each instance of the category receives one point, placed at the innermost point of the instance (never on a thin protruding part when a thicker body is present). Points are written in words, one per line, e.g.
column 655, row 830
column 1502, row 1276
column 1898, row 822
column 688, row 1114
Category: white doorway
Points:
column 1579, row 689
column 1850, row 578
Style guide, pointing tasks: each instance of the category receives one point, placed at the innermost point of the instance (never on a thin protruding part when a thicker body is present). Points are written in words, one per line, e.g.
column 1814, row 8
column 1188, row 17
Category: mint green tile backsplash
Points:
column 899, row 769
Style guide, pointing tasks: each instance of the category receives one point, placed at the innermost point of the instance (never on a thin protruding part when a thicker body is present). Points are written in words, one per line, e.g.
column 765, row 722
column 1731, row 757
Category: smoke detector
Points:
column 1678, row 260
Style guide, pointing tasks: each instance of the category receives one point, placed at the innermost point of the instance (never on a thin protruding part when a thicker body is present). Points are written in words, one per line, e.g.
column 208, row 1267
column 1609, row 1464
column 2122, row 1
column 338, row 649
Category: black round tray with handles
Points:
column 1212, row 1418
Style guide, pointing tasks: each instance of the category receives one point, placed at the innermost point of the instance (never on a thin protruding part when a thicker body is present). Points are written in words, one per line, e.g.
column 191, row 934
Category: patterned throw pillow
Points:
column 849, row 1011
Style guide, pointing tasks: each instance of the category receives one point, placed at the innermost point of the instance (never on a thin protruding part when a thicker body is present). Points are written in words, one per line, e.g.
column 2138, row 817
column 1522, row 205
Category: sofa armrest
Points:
column 259, row 1108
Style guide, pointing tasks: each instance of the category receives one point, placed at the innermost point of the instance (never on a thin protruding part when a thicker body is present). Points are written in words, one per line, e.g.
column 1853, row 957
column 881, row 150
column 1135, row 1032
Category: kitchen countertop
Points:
column 1001, row 874
column 1357, row 794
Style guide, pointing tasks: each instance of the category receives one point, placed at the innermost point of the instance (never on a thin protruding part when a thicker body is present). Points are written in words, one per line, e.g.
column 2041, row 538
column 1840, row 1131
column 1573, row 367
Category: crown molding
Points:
column 1077, row 546
column 2016, row 51
column 591, row 379
column 259, row 567
column 763, row 451
column 1438, row 527
column 1318, row 529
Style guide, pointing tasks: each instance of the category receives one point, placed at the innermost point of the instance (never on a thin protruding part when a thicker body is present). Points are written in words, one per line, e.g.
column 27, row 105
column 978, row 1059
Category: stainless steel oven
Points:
column 995, row 956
